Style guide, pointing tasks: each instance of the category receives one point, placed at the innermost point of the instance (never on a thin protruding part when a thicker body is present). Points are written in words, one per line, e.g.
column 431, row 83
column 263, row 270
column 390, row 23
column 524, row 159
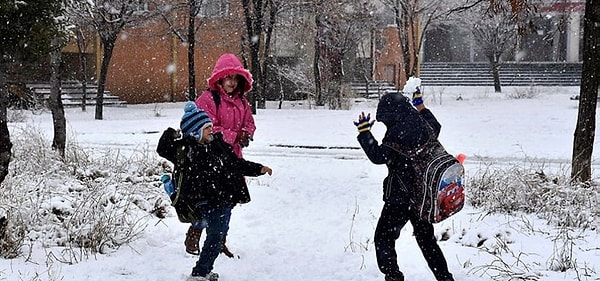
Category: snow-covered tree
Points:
column 495, row 34
column 26, row 29
column 109, row 18
column 340, row 25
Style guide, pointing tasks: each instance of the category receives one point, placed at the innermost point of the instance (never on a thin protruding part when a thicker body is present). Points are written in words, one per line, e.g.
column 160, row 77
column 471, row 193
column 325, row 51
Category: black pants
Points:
column 392, row 220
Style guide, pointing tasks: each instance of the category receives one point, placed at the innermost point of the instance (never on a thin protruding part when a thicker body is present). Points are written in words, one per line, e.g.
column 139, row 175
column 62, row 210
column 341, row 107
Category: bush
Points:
column 94, row 204
column 515, row 188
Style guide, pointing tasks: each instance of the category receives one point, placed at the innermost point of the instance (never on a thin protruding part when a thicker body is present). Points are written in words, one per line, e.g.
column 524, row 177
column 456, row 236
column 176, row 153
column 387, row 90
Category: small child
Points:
column 216, row 175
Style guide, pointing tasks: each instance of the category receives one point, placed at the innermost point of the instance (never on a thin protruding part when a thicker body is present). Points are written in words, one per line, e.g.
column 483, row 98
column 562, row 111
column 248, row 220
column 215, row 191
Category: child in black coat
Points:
column 216, row 177
column 408, row 128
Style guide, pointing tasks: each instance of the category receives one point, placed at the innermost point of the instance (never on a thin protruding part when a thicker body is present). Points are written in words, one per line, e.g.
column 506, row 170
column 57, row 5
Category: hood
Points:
column 229, row 64
column 393, row 108
column 404, row 124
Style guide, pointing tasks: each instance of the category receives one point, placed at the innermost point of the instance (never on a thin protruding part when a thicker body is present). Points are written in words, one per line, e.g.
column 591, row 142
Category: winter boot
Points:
column 192, row 240
column 224, row 248
column 394, row 277
column 211, row 276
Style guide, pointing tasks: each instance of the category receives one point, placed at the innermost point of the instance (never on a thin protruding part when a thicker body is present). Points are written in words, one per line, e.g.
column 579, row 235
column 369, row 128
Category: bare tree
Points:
column 495, row 34
column 172, row 15
column 324, row 38
column 109, row 18
column 413, row 18
column 194, row 8
column 82, row 45
column 75, row 11
column 339, row 26
column 260, row 19
column 583, row 142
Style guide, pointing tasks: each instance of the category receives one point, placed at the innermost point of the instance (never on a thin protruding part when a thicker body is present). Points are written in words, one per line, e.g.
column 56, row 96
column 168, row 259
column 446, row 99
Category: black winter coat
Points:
column 215, row 174
column 408, row 129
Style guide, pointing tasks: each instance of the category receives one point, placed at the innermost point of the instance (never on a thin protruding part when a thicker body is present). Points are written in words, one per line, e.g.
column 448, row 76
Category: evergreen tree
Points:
column 26, row 29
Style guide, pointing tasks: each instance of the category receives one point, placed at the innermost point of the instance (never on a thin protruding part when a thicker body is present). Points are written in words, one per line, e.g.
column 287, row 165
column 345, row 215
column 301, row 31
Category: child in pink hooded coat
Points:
column 226, row 104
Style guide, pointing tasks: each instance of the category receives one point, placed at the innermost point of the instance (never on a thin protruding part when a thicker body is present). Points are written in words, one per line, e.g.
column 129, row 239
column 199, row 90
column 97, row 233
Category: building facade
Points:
column 150, row 63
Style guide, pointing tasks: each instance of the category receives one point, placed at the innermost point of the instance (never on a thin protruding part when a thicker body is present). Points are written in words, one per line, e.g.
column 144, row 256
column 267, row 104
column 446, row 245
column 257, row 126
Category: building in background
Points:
column 149, row 63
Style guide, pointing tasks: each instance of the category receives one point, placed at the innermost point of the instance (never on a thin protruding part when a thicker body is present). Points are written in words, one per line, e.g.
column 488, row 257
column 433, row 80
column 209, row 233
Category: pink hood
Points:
column 229, row 64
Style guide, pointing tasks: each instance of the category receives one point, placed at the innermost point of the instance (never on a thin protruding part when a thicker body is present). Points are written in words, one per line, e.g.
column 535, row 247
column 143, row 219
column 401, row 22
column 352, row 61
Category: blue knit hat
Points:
column 194, row 121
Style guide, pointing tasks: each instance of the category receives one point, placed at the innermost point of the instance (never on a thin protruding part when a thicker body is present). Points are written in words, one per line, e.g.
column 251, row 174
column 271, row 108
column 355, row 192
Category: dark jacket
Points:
column 407, row 130
column 215, row 173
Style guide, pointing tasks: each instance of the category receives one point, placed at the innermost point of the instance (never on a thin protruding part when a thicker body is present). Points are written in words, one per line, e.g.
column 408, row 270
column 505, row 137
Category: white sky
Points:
column 314, row 218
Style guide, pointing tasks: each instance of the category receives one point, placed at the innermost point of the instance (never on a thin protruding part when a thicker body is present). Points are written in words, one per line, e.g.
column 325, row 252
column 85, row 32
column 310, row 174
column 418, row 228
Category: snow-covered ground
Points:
column 314, row 218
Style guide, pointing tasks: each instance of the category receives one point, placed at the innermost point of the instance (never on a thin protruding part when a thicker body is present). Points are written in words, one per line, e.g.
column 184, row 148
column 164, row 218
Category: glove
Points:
column 363, row 124
column 243, row 139
column 417, row 97
column 172, row 133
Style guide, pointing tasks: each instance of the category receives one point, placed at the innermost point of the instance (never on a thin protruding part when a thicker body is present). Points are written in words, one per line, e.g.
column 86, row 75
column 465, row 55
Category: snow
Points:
column 411, row 85
column 314, row 218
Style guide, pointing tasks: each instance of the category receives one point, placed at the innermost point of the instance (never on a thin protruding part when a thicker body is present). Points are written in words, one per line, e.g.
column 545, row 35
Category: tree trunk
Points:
column 55, row 100
column 496, row 75
column 266, row 49
column 5, row 144
column 191, row 96
column 107, row 47
column 583, row 141
column 402, row 31
column 82, row 46
column 257, row 40
column 316, row 68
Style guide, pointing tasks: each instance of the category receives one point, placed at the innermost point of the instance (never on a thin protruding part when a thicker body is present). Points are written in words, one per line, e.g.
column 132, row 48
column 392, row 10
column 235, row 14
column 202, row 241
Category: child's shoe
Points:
column 394, row 277
column 196, row 278
column 192, row 239
column 224, row 248
column 211, row 276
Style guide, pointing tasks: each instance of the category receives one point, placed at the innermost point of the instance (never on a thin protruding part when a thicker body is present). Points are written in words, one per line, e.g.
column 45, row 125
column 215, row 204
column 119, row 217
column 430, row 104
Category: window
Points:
column 214, row 9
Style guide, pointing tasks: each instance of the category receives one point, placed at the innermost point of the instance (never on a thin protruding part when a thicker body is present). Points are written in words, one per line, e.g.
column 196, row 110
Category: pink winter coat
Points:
column 233, row 114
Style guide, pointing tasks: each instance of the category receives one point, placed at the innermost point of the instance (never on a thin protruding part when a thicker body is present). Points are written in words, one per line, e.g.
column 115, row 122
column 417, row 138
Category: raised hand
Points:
column 364, row 124
column 417, row 98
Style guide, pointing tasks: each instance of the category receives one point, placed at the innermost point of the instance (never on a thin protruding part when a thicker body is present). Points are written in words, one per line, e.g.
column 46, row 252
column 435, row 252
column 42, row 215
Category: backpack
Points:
column 439, row 192
column 185, row 209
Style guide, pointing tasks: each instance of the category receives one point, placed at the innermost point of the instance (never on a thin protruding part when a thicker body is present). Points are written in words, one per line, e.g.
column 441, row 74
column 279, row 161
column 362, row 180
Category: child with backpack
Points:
column 226, row 104
column 409, row 127
column 212, row 180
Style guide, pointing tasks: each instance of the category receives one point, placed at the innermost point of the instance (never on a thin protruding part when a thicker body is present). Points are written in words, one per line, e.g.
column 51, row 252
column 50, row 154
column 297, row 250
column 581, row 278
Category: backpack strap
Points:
column 179, row 167
column 216, row 98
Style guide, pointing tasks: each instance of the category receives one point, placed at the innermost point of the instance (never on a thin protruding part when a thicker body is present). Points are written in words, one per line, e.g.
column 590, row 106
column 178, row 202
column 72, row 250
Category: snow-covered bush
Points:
column 514, row 188
column 94, row 204
column 524, row 93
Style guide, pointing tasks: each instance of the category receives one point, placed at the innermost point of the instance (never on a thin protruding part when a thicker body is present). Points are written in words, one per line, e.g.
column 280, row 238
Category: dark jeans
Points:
column 202, row 225
column 392, row 220
column 216, row 220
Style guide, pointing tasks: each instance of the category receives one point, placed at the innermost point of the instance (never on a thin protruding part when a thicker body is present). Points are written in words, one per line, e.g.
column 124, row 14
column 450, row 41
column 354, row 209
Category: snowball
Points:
column 411, row 85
